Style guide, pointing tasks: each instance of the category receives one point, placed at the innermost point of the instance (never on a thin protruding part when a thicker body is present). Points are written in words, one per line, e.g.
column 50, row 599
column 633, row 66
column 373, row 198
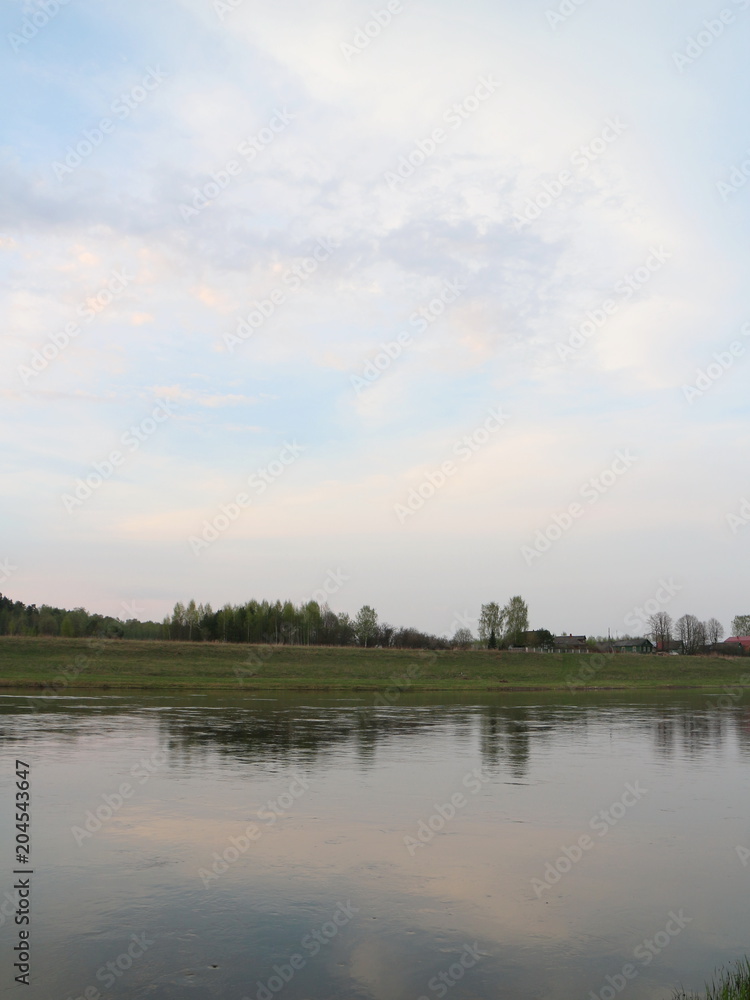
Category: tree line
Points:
column 311, row 623
column 692, row 634
column 279, row 622
column 17, row 618
column 285, row 623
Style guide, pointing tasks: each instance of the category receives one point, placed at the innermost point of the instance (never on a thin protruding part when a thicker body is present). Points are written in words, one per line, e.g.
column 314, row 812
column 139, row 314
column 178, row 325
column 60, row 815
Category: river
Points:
column 319, row 847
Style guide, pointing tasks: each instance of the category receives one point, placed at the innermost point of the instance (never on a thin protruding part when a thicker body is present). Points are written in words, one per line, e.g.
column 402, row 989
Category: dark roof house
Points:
column 571, row 644
column 671, row 646
column 632, row 646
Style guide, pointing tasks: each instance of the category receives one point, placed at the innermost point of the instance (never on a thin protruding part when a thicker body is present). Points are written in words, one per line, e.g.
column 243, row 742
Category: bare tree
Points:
column 701, row 636
column 714, row 631
column 463, row 639
column 661, row 630
column 690, row 633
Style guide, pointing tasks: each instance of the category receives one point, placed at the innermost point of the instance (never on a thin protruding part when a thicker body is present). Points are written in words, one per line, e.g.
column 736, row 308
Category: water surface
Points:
column 320, row 848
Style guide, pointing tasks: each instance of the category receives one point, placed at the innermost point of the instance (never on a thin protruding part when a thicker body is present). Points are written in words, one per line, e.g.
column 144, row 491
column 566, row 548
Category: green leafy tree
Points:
column 192, row 620
column 515, row 617
column 741, row 625
column 492, row 642
column 67, row 627
column 490, row 620
column 365, row 624
column 544, row 638
column 345, row 629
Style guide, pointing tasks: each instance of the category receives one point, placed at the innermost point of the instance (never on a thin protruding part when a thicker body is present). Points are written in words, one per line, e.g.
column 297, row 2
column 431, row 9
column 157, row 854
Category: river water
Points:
column 323, row 848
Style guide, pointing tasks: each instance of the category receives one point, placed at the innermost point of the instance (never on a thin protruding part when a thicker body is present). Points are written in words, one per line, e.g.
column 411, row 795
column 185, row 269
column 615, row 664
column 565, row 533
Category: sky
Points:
column 412, row 305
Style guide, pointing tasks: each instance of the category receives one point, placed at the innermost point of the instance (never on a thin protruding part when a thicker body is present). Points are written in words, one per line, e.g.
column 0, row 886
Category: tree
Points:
column 463, row 639
column 544, row 638
column 714, row 631
column 661, row 629
column 178, row 620
column 701, row 636
column 515, row 616
column 492, row 643
column 67, row 627
column 192, row 618
column 490, row 620
column 741, row 625
column 345, row 629
column 691, row 634
column 365, row 624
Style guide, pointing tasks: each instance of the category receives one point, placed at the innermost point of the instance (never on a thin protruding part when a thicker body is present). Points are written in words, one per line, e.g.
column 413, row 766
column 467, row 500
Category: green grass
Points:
column 728, row 984
column 119, row 664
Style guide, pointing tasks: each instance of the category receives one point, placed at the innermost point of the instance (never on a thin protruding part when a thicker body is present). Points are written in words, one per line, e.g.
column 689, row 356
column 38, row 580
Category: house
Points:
column 533, row 640
column 571, row 644
column 670, row 646
column 741, row 641
column 632, row 646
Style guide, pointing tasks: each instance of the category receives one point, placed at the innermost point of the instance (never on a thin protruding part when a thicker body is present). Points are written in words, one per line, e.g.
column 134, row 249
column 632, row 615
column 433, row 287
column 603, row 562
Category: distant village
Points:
column 734, row 646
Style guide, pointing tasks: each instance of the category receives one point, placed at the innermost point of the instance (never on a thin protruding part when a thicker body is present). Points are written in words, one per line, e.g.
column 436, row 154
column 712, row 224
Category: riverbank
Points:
column 138, row 665
column 728, row 984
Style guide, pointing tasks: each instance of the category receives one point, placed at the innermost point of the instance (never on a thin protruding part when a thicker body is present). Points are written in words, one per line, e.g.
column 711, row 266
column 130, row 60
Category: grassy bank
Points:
column 730, row 984
column 113, row 664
